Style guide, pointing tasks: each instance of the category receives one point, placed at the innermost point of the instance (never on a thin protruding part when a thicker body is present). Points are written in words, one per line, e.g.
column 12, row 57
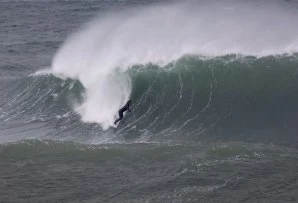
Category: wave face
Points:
column 103, row 51
column 220, row 96
column 191, row 99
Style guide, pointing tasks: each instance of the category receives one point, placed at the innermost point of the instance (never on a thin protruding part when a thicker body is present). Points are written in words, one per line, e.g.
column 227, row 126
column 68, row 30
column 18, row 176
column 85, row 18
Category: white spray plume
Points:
column 103, row 49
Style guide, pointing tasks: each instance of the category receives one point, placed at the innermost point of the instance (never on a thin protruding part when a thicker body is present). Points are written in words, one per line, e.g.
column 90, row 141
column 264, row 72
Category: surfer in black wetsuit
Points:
column 124, row 108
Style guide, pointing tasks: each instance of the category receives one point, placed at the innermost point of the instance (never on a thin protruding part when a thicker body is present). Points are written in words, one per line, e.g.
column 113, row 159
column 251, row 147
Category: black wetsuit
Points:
column 120, row 112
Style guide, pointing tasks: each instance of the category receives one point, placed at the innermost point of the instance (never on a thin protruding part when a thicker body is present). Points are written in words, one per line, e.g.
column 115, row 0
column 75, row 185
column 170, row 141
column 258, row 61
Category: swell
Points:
column 242, row 97
column 38, row 97
column 231, row 97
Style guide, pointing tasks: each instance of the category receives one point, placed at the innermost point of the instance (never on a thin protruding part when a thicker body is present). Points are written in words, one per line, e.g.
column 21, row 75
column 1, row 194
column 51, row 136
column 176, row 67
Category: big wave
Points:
column 104, row 51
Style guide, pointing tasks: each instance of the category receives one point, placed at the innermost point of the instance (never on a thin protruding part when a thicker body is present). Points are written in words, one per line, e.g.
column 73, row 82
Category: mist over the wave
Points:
column 103, row 49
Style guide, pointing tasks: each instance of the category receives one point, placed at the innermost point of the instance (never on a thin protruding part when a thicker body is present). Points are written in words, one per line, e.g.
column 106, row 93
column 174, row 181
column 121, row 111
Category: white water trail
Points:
column 100, row 52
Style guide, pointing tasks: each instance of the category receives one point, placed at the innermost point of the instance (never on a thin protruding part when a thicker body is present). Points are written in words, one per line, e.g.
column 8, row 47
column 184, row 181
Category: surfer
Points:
column 124, row 108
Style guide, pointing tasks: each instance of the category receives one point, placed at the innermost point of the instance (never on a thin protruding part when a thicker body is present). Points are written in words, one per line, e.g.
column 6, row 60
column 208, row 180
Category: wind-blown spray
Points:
column 101, row 52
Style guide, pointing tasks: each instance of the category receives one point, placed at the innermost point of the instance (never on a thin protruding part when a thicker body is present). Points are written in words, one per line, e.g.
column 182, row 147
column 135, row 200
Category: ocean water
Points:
column 214, row 86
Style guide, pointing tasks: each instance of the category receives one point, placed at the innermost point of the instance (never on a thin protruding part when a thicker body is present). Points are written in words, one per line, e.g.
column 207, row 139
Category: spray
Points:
column 102, row 51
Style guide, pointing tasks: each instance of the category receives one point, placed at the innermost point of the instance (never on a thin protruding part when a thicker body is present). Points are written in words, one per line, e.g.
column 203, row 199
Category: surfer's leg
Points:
column 117, row 121
column 120, row 117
